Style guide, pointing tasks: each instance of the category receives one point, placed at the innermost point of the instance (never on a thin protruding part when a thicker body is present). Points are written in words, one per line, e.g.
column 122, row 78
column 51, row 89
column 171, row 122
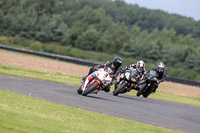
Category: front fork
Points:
column 154, row 86
column 88, row 79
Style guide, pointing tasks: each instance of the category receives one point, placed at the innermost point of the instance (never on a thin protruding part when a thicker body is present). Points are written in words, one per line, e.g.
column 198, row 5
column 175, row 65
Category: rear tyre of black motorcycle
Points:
column 90, row 89
column 79, row 91
column 119, row 89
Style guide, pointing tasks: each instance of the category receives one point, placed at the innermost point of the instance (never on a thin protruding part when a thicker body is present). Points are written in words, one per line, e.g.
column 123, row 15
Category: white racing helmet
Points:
column 161, row 67
column 140, row 66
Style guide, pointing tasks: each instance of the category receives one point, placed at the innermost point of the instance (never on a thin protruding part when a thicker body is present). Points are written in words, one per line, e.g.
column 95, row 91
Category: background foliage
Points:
column 104, row 27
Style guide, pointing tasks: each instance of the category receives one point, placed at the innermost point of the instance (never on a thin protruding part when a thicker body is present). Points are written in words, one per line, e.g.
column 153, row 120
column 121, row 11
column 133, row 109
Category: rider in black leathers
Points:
column 160, row 69
column 140, row 67
column 114, row 65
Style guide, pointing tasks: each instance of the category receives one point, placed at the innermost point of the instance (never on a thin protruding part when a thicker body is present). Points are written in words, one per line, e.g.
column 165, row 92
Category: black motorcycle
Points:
column 126, row 82
column 148, row 83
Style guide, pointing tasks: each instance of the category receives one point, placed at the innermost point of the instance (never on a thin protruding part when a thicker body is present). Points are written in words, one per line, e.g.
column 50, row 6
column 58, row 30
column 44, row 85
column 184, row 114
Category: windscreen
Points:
column 152, row 73
column 134, row 73
column 109, row 70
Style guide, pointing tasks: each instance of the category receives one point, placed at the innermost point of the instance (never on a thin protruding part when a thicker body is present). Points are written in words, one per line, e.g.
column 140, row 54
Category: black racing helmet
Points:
column 117, row 62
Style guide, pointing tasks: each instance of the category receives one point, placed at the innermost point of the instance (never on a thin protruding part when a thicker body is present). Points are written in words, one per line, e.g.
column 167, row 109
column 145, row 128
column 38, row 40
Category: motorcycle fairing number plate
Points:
column 127, row 75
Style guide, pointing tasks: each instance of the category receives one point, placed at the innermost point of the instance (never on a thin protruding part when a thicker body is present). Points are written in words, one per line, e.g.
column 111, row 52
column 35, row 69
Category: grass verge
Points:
column 76, row 80
column 46, row 76
column 24, row 114
column 164, row 96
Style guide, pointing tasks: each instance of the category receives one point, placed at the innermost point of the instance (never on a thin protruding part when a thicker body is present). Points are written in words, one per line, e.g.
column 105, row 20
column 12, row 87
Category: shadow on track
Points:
column 101, row 98
column 133, row 98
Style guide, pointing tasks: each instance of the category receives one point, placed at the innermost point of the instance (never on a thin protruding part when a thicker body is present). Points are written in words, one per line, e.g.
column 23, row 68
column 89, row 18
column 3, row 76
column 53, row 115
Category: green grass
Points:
column 20, row 114
column 159, row 95
column 54, row 77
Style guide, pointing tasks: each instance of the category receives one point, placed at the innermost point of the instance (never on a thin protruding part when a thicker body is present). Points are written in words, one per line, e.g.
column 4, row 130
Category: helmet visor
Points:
column 116, row 64
column 140, row 68
column 160, row 69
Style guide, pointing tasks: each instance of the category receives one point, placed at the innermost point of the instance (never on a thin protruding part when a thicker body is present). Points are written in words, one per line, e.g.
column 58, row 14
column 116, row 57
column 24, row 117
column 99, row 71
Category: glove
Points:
column 96, row 69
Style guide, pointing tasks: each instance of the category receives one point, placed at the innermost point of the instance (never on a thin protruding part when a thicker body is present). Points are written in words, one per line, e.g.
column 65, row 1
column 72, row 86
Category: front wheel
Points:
column 142, row 89
column 149, row 90
column 119, row 89
column 145, row 95
column 79, row 91
column 90, row 89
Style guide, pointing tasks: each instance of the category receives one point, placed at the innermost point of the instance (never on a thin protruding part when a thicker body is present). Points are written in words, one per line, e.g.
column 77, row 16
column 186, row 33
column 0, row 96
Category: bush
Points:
column 36, row 46
column 13, row 41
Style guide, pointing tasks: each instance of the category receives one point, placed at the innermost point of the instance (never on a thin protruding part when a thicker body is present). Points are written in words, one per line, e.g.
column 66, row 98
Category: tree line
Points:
column 106, row 26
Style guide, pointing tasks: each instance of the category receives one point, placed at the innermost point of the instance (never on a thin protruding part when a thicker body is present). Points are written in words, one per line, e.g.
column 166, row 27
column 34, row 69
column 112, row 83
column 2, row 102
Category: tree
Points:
column 130, row 49
column 192, row 61
column 87, row 40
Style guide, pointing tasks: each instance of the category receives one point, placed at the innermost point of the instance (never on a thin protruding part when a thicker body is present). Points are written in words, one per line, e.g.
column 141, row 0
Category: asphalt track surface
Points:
column 154, row 112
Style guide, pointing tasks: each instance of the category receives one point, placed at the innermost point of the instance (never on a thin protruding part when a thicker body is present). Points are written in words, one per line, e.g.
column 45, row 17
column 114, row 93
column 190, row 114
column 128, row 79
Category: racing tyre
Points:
column 148, row 91
column 142, row 89
column 119, row 89
column 90, row 89
column 145, row 95
column 79, row 91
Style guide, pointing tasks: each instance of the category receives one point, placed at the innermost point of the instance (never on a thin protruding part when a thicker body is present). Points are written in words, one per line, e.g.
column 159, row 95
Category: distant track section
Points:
column 86, row 63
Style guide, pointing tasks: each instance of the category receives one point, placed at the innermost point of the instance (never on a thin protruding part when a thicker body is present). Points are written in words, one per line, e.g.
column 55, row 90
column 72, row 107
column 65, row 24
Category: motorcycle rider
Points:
column 160, row 69
column 139, row 66
column 114, row 65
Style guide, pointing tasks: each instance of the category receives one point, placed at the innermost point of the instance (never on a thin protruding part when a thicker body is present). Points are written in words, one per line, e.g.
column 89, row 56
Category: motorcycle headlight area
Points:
column 127, row 75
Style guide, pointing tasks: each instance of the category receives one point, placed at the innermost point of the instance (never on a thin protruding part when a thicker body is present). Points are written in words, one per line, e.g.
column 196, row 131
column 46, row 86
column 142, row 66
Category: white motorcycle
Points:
column 96, row 81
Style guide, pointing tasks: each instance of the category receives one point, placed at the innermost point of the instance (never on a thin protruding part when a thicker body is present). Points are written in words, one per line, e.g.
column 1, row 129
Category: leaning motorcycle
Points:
column 96, row 81
column 148, row 83
column 126, row 82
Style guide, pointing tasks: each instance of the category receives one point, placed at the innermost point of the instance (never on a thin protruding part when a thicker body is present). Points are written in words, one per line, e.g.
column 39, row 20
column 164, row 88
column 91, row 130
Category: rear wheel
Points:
column 90, row 89
column 119, row 89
